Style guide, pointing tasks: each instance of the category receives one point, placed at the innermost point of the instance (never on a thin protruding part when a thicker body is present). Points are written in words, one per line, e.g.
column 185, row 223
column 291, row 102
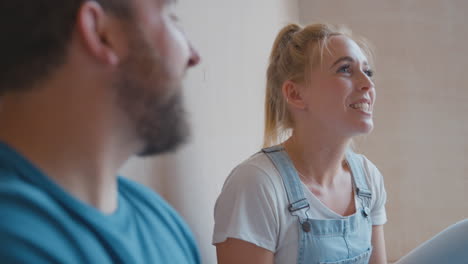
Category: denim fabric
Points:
column 333, row 241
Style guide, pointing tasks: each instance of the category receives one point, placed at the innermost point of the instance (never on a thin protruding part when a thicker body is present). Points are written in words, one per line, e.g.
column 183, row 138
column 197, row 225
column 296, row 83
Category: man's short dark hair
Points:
column 35, row 37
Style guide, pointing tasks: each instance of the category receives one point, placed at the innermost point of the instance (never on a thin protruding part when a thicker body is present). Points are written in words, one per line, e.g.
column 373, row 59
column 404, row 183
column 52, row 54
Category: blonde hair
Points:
column 295, row 51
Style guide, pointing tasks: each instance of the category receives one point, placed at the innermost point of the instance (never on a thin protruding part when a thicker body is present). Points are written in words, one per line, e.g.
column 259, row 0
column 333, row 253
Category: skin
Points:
column 322, row 108
column 83, row 127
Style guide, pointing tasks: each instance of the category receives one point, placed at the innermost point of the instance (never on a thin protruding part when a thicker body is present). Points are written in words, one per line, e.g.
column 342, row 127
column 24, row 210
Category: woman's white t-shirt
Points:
column 253, row 206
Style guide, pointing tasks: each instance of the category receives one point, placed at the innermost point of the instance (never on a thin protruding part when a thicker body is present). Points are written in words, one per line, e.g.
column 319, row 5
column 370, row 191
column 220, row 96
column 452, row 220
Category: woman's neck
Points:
column 318, row 159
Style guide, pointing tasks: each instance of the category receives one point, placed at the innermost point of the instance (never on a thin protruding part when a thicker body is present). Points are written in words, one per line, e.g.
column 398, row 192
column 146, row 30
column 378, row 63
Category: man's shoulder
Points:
column 19, row 195
column 163, row 218
column 141, row 196
column 36, row 227
column 29, row 224
column 148, row 202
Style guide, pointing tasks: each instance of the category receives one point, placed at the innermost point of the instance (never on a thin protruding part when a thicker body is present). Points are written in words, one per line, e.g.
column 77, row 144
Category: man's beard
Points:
column 152, row 101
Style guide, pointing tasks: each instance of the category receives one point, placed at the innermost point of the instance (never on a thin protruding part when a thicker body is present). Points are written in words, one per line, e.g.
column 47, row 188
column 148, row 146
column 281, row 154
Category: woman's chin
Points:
column 363, row 128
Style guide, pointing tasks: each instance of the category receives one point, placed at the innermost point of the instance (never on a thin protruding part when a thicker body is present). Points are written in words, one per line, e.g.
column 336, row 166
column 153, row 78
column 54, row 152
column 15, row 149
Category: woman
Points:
column 309, row 198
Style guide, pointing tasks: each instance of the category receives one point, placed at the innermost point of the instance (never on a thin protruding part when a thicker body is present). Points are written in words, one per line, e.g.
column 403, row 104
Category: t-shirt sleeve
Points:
column 376, row 182
column 246, row 209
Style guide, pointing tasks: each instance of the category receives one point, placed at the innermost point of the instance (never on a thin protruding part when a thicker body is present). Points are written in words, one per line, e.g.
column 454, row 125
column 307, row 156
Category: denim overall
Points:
column 334, row 241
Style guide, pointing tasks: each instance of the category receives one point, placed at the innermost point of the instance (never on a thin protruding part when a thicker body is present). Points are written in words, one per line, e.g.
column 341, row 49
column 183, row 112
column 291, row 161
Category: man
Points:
column 85, row 85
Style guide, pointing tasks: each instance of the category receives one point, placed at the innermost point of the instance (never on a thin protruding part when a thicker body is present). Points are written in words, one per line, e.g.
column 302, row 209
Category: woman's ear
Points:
column 293, row 94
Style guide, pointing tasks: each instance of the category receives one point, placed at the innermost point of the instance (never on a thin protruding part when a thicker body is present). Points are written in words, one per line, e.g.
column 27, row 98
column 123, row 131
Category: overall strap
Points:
column 298, row 204
column 357, row 170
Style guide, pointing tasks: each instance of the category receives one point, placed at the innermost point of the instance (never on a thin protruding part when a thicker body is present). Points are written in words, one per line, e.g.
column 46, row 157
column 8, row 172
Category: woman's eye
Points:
column 344, row 69
column 369, row 73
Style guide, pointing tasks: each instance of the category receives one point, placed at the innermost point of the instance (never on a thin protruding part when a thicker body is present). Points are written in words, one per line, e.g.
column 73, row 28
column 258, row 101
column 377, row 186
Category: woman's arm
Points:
column 379, row 254
column 235, row 251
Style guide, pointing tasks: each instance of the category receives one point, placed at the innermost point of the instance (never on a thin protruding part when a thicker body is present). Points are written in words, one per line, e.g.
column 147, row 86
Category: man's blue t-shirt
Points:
column 41, row 223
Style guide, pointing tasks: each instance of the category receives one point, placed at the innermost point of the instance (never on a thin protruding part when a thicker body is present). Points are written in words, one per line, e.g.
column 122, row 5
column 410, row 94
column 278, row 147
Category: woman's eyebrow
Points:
column 349, row 59
column 344, row 58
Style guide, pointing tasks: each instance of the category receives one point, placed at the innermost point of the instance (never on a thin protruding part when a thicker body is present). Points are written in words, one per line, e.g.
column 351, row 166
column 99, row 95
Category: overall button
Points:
column 306, row 226
column 366, row 211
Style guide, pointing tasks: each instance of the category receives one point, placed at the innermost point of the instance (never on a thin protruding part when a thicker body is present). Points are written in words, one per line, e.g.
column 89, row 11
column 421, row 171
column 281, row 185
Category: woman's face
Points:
column 341, row 94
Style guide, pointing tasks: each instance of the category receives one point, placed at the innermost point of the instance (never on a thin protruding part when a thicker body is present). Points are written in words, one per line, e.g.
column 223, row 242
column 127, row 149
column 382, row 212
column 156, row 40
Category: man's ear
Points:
column 292, row 93
column 99, row 33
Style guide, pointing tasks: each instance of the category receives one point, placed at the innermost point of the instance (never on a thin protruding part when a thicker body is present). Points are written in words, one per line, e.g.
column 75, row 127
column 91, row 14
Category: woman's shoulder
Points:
column 252, row 189
column 259, row 161
column 255, row 170
column 371, row 172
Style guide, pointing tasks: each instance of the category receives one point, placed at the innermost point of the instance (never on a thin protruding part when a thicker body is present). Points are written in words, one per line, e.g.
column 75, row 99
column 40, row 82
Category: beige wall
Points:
column 419, row 142
column 224, row 97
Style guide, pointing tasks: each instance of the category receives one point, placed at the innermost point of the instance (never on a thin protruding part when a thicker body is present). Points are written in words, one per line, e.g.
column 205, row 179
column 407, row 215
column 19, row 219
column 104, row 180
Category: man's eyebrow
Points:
column 346, row 58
